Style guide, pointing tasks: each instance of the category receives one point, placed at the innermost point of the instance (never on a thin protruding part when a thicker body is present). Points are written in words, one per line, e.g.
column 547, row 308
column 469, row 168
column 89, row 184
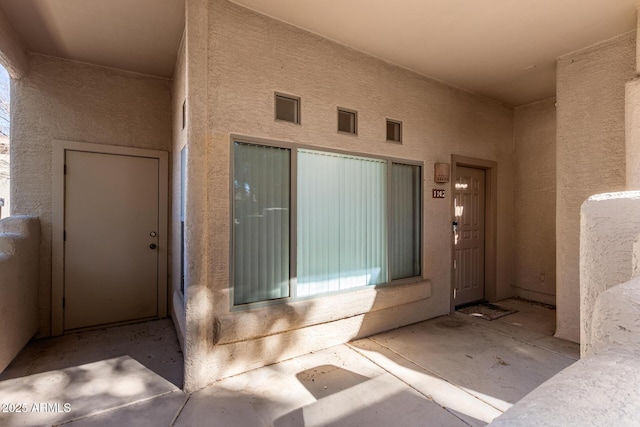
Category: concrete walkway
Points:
column 451, row 371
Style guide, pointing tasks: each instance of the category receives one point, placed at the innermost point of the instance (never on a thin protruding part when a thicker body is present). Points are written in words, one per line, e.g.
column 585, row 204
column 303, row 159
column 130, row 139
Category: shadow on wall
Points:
column 257, row 337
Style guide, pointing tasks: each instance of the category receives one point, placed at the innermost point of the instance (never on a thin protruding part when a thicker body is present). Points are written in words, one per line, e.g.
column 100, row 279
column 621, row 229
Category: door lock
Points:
column 153, row 246
column 153, row 234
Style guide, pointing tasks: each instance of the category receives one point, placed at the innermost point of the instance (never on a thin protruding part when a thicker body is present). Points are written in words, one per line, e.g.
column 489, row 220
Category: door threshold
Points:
column 110, row 325
column 469, row 304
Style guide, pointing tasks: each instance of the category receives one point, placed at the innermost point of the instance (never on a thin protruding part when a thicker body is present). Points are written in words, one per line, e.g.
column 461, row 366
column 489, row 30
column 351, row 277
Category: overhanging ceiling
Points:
column 135, row 35
column 502, row 49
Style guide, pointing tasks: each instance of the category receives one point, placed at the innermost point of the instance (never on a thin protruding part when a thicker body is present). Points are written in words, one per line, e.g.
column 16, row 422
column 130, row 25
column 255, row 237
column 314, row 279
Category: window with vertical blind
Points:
column 261, row 223
column 406, row 203
column 357, row 221
column 342, row 218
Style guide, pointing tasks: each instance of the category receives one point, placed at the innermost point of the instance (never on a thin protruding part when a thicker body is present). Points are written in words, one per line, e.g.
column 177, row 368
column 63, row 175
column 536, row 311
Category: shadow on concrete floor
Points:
column 153, row 344
column 454, row 370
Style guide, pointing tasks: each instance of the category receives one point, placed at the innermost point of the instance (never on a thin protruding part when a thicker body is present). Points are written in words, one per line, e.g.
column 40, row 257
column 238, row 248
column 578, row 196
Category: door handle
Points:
column 153, row 246
column 455, row 227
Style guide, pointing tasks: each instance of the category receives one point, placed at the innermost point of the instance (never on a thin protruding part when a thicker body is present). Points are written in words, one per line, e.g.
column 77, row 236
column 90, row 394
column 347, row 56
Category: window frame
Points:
column 298, row 112
column 293, row 221
column 400, row 130
column 355, row 121
column 390, row 239
column 183, row 215
column 184, row 114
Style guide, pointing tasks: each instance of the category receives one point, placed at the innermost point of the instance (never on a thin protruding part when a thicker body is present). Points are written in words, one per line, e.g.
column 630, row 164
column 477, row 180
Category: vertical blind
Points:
column 405, row 224
column 261, row 184
column 341, row 240
column 344, row 218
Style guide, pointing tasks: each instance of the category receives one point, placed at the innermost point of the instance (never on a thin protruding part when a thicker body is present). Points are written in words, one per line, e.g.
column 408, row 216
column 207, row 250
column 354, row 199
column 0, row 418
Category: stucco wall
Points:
column 615, row 325
column 19, row 262
column 179, row 135
column 535, row 201
column 251, row 56
column 610, row 225
column 632, row 119
column 590, row 153
column 65, row 100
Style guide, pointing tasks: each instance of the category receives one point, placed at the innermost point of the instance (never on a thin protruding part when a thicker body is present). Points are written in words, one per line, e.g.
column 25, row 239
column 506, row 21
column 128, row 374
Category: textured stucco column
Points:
column 637, row 39
column 609, row 227
column 632, row 127
column 198, row 313
column 590, row 153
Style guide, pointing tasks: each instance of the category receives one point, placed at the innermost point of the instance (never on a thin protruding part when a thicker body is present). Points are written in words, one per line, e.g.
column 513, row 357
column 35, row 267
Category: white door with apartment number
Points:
column 469, row 252
column 111, row 205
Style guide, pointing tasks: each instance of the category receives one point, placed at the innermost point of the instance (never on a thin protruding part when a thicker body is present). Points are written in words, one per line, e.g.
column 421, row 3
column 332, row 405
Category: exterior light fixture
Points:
column 442, row 173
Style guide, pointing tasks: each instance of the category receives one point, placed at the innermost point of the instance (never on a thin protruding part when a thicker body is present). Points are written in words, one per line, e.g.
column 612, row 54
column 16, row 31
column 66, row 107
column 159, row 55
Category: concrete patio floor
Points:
column 450, row 371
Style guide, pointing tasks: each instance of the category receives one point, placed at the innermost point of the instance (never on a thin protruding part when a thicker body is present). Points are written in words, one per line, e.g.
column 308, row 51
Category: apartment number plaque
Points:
column 437, row 193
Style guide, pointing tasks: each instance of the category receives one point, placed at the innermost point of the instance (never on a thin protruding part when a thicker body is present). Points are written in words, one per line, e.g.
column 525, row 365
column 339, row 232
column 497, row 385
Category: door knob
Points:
column 153, row 246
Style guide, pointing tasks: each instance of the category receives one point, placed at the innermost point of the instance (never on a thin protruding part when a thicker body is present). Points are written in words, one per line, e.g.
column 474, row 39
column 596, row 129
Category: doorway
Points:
column 474, row 240
column 111, row 262
column 469, row 230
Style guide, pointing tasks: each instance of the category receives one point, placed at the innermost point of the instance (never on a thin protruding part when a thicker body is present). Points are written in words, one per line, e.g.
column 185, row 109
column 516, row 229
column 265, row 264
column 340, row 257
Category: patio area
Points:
column 454, row 370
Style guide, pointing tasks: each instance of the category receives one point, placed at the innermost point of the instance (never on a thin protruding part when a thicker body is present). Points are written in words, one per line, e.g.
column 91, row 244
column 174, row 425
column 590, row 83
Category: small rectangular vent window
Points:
column 288, row 108
column 347, row 121
column 394, row 130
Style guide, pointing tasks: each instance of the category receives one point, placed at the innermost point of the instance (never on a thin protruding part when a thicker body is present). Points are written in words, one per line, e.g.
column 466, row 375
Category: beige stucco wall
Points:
column 632, row 119
column 19, row 268
column 535, row 201
column 65, row 100
column 610, row 225
column 615, row 325
column 590, row 153
column 251, row 56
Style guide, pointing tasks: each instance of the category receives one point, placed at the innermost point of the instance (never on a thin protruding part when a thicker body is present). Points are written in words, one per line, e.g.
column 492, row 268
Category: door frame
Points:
column 58, row 188
column 490, row 218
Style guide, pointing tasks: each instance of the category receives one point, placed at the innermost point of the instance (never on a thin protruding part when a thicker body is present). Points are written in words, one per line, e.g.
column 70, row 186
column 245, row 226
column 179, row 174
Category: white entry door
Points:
column 468, row 262
column 111, row 221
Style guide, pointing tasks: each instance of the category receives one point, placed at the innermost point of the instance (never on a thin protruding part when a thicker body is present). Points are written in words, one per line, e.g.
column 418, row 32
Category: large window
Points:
column 342, row 219
column 406, row 202
column 261, row 223
column 357, row 222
